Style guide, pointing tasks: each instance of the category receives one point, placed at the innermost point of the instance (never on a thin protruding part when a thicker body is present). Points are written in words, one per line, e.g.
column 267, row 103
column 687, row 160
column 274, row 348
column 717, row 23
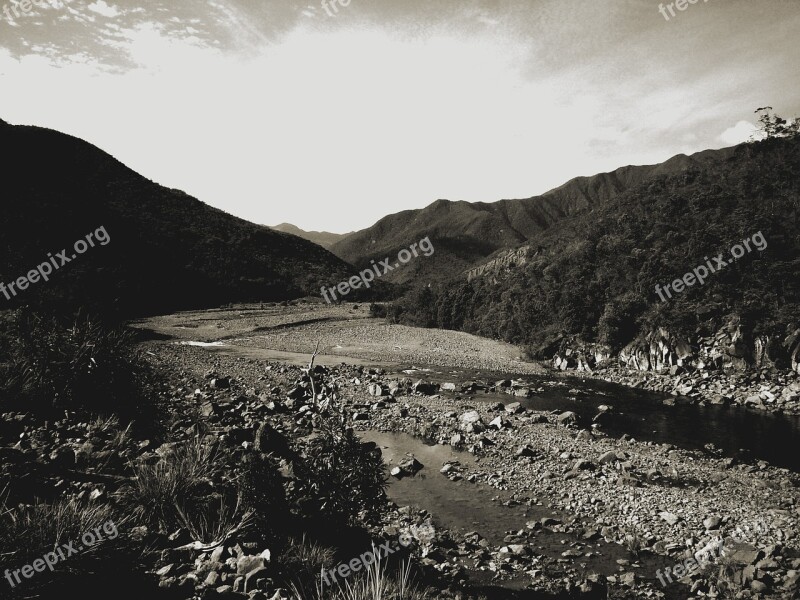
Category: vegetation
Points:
column 167, row 250
column 80, row 366
column 343, row 477
column 595, row 276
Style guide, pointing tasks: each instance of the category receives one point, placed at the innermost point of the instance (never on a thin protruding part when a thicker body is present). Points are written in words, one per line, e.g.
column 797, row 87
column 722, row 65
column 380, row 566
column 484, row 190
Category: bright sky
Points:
column 277, row 112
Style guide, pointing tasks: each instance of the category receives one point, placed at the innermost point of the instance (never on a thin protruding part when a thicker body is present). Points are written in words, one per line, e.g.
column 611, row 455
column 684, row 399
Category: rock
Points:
column 252, row 578
column 221, row 383
column 376, row 389
column 472, row 416
column 424, row 387
column 248, row 564
column 514, row 408
column 567, row 418
column 526, row 451
column 608, row 457
column 712, row 523
column 411, row 466
column 448, row 387
column 670, row 518
column 519, row 549
column 499, row 422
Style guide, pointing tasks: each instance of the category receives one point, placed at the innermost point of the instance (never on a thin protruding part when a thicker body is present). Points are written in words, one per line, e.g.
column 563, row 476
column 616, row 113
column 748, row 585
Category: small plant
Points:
column 167, row 493
column 724, row 576
column 302, row 562
column 634, row 542
column 373, row 583
column 262, row 492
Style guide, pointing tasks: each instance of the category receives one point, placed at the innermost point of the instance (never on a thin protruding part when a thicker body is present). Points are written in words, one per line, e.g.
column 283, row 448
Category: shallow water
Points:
column 642, row 414
column 463, row 507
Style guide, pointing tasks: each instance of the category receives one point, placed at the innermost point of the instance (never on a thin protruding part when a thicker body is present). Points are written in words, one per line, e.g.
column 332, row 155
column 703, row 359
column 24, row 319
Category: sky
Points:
column 331, row 114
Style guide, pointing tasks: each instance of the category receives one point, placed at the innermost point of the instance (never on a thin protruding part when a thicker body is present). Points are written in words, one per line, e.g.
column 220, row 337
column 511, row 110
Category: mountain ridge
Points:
column 470, row 232
column 168, row 250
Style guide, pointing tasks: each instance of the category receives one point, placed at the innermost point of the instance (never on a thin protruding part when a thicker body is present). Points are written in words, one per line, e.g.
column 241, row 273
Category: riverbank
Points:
column 768, row 390
column 653, row 498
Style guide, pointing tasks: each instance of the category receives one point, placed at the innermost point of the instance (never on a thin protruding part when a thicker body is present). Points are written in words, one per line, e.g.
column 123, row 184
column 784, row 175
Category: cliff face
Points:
column 510, row 259
column 730, row 348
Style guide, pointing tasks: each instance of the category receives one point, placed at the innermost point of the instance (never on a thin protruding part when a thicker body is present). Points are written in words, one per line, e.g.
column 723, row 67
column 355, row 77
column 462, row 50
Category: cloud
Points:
column 101, row 8
column 741, row 132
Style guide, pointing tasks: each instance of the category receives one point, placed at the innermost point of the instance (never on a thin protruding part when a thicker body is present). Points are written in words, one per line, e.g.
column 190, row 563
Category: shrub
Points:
column 84, row 367
column 343, row 477
column 377, row 310
column 262, row 491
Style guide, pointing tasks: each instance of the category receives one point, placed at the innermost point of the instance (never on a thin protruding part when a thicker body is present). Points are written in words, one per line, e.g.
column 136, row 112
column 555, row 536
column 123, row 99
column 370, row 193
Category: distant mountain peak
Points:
column 321, row 238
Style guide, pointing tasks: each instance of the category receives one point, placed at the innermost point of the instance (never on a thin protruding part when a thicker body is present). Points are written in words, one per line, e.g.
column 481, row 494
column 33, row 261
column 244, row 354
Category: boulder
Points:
column 567, row 418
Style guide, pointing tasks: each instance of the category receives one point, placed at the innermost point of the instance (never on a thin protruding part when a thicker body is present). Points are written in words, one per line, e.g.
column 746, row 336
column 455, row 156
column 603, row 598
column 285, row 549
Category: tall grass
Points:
column 371, row 583
column 162, row 494
column 26, row 532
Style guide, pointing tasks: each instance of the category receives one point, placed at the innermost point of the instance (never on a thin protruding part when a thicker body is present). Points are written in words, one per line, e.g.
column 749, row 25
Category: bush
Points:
column 342, row 477
column 262, row 491
column 377, row 310
column 83, row 367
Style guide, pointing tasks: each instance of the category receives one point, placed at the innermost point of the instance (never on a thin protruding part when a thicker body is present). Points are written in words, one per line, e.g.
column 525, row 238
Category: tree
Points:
column 774, row 126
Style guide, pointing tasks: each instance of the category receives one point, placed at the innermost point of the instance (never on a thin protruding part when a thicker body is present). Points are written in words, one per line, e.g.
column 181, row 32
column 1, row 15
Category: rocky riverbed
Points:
column 653, row 499
column 766, row 389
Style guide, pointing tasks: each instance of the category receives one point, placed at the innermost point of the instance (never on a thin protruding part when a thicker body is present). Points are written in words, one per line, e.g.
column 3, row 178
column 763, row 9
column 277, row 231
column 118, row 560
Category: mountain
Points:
column 465, row 234
column 167, row 250
column 594, row 276
column 321, row 238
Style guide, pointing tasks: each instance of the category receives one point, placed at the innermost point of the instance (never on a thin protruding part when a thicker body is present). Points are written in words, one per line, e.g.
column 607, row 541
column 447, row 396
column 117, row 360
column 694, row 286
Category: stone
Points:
column 670, row 518
column 252, row 578
column 376, row 389
column 526, row 451
column 424, row 387
column 472, row 416
column 514, row 408
column 567, row 418
column 247, row 564
column 499, row 422
column 608, row 457
column 411, row 466
column 221, row 383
